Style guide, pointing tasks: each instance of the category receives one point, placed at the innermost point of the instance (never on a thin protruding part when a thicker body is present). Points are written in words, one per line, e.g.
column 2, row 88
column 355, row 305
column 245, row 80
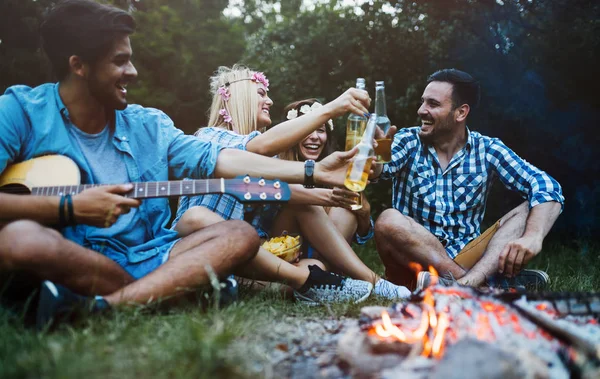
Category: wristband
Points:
column 309, row 173
column 71, row 219
column 61, row 212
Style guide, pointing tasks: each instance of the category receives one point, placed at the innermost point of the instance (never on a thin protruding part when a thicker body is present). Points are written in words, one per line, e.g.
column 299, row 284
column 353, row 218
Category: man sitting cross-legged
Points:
column 109, row 246
column 442, row 173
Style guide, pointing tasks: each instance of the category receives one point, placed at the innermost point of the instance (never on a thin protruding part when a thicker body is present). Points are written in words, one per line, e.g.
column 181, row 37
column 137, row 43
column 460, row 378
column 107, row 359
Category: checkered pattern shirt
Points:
column 224, row 205
column 451, row 203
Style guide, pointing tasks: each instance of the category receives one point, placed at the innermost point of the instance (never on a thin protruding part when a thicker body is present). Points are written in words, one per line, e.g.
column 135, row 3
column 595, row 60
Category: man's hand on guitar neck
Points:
column 101, row 206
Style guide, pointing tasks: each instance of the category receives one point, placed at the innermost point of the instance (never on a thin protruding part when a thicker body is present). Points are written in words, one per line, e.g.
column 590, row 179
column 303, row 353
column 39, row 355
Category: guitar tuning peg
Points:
column 277, row 184
column 263, row 196
column 277, row 196
column 247, row 196
column 247, row 179
column 261, row 182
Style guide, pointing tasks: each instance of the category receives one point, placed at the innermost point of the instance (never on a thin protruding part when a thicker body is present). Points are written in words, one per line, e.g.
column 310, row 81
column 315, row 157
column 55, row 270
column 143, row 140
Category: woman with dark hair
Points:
column 355, row 225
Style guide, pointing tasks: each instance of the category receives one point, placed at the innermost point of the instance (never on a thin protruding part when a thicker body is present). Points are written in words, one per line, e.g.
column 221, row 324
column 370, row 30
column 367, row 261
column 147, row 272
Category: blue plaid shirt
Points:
column 224, row 205
column 451, row 203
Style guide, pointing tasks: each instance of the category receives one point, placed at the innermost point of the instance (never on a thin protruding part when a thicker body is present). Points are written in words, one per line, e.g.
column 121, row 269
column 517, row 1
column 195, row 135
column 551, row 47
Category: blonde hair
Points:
column 242, row 103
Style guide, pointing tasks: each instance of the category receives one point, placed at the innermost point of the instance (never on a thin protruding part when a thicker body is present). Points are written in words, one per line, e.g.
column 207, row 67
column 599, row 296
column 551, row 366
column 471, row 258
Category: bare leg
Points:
column 317, row 227
column 512, row 226
column 401, row 240
column 264, row 266
column 29, row 247
column 222, row 247
column 345, row 221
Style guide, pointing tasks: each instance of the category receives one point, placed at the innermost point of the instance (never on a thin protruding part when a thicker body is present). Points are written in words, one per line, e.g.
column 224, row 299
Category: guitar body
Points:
column 48, row 170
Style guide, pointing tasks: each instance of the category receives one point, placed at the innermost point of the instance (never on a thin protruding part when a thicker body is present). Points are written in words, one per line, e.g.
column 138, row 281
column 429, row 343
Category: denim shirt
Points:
column 33, row 122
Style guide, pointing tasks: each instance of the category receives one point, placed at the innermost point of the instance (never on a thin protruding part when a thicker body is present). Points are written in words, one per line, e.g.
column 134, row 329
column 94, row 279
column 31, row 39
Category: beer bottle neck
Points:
column 380, row 109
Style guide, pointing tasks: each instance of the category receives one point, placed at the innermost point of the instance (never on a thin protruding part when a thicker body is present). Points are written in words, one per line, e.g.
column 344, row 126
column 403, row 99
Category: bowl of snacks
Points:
column 286, row 247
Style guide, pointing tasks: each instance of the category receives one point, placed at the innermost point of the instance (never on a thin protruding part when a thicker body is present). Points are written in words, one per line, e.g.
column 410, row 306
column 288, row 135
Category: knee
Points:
column 387, row 224
column 244, row 236
column 23, row 242
column 197, row 218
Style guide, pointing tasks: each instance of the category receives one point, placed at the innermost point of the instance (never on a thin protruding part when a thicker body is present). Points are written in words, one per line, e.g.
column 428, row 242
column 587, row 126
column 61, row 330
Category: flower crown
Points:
column 223, row 91
column 293, row 113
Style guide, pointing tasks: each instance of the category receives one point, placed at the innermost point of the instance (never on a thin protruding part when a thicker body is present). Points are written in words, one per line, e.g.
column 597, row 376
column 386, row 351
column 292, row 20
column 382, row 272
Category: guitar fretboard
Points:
column 146, row 190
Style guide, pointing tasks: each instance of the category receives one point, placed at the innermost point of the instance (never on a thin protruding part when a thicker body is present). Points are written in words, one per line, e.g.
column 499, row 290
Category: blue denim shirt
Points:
column 33, row 122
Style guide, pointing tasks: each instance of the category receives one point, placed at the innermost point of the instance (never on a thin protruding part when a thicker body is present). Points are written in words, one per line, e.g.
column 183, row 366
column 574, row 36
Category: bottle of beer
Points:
column 383, row 151
column 355, row 126
column 358, row 171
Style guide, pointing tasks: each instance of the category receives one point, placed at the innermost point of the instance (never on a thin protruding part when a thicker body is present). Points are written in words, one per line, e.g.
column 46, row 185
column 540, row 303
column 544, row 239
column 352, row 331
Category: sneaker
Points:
column 526, row 279
column 228, row 293
column 388, row 290
column 58, row 303
column 327, row 287
column 426, row 279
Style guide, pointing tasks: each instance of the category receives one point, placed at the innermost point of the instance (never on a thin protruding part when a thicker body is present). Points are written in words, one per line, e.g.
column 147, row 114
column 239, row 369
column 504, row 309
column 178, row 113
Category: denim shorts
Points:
column 143, row 268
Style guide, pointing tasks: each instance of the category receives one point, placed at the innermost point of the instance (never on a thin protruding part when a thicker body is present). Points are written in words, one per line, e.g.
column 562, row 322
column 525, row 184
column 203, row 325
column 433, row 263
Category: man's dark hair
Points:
column 465, row 89
column 83, row 28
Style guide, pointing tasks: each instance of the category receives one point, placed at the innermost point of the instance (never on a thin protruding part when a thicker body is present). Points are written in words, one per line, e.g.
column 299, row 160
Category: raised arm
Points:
column 325, row 197
column 287, row 134
column 330, row 171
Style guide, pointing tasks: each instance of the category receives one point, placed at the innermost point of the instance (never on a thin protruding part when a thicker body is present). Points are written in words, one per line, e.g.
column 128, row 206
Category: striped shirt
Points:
column 450, row 203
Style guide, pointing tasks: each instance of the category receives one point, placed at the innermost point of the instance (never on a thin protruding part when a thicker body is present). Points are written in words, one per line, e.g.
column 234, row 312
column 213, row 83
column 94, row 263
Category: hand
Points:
column 517, row 254
column 101, row 206
column 353, row 100
column 390, row 133
column 341, row 198
column 332, row 169
column 365, row 211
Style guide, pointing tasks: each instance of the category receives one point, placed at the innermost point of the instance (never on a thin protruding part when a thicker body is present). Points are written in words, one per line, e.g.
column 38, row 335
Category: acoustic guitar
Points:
column 57, row 175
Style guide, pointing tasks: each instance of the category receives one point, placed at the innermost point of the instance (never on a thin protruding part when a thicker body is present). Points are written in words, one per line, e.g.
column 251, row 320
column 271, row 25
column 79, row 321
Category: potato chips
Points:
column 285, row 247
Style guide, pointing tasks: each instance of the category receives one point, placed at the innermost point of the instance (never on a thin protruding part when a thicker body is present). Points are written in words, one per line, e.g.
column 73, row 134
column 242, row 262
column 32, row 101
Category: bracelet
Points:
column 61, row 212
column 71, row 220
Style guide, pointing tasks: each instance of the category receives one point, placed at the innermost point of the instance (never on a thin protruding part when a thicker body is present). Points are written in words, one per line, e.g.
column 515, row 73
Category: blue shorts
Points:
column 143, row 268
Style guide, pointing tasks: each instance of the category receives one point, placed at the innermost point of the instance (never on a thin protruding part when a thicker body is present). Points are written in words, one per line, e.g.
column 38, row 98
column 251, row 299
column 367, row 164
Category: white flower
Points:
column 292, row 113
column 305, row 109
column 330, row 123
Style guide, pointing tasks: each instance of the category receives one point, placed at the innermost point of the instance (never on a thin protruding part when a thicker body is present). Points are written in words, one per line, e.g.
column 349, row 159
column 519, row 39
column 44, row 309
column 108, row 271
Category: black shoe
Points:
column 57, row 303
column 526, row 279
column 426, row 279
column 228, row 291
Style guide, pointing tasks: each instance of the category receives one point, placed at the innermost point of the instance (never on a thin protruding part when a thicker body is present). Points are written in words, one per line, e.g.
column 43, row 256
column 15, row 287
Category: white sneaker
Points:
column 386, row 289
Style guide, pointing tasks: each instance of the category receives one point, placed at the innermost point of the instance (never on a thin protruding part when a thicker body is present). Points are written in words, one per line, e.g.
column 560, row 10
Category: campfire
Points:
column 477, row 334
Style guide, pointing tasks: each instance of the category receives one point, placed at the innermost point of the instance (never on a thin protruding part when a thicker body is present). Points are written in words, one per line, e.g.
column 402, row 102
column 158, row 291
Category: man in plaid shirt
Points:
column 442, row 173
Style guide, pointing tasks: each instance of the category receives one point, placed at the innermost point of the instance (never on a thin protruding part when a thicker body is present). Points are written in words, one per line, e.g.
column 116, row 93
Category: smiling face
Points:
column 108, row 77
column 437, row 112
column 312, row 146
column 263, row 118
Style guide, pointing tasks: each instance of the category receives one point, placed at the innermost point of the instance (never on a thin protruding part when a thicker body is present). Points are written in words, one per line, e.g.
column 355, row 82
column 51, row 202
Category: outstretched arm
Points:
column 518, row 253
column 287, row 134
column 330, row 171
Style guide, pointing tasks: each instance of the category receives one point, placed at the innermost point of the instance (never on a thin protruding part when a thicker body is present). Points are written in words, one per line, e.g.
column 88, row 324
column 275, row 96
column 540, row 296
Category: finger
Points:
column 519, row 262
column 347, row 155
column 502, row 259
column 391, row 131
column 510, row 262
column 125, row 209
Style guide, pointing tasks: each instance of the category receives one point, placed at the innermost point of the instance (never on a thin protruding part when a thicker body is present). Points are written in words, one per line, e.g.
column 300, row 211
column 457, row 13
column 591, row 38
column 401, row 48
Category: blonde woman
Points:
column 239, row 111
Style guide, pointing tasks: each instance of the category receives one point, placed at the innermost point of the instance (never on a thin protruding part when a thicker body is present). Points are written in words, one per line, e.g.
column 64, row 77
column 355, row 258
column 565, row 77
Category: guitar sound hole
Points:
column 15, row 189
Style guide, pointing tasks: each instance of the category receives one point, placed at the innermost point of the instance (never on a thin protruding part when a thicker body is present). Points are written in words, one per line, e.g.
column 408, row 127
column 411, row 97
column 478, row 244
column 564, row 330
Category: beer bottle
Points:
column 355, row 125
column 358, row 171
column 383, row 151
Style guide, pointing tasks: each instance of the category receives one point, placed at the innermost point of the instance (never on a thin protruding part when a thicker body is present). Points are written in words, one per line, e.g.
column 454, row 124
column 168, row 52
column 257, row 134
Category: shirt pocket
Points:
column 468, row 190
column 423, row 186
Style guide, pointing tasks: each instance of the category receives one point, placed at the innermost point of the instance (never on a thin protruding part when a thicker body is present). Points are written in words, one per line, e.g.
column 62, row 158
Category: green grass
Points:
column 189, row 342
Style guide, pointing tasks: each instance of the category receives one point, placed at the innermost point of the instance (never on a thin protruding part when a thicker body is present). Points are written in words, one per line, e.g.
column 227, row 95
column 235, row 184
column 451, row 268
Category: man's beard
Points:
column 442, row 129
column 105, row 96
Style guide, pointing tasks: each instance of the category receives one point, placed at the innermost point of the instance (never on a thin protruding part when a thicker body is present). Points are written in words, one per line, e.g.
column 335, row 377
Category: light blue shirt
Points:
column 34, row 122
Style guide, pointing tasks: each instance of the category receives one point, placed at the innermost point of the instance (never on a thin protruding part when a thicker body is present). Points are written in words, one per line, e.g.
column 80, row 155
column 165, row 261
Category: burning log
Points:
column 462, row 327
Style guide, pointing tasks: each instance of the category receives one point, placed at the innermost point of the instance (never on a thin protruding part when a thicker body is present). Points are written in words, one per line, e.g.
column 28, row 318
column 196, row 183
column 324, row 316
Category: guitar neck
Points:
column 145, row 190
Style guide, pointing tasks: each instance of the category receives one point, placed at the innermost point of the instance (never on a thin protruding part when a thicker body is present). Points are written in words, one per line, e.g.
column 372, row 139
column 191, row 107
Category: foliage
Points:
column 536, row 60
